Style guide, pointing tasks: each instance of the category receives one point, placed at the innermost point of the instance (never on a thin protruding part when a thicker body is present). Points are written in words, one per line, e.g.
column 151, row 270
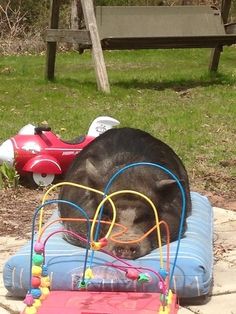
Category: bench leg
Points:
column 215, row 58
column 52, row 46
column 50, row 60
column 215, row 54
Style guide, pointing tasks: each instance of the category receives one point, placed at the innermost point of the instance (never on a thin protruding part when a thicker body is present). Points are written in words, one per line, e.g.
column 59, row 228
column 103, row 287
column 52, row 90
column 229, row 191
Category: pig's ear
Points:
column 91, row 170
column 164, row 185
column 167, row 184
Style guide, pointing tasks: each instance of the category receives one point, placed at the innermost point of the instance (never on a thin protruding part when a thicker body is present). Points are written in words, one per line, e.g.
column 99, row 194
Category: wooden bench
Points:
column 142, row 27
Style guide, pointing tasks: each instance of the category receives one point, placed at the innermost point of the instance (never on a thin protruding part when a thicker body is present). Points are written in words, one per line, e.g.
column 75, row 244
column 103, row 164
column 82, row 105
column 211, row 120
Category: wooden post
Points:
column 52, row 46
column 74, row 14
column 74, row 19
column 215, row 53
column 97, row 53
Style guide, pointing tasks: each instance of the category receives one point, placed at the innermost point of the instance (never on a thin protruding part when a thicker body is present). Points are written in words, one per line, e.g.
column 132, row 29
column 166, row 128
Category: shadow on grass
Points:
column 74, row 83
column 180, row 84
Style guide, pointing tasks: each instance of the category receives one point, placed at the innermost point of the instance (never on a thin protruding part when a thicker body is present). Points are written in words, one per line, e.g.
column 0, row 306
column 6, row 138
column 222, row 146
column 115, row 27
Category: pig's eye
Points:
column 107, row 215
column 141, row 218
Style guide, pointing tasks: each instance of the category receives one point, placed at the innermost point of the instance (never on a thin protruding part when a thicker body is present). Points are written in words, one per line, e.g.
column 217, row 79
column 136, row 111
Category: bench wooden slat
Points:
column 169, row 42
column 68, row 35
column 82, row 37
column 158, row 21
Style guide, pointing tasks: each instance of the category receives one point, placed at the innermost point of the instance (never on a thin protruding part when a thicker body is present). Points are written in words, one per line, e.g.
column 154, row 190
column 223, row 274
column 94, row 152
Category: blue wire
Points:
column 183, row 210
column 77, row 207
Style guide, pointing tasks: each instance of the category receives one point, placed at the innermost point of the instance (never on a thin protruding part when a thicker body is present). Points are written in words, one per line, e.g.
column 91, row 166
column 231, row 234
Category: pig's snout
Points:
column 130, row 250
column 127, row 251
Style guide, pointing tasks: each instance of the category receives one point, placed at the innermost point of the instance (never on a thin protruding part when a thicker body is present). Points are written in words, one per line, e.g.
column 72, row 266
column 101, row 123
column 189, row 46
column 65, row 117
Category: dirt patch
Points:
column 18, row 206
column 214, row 189
column 17, row 209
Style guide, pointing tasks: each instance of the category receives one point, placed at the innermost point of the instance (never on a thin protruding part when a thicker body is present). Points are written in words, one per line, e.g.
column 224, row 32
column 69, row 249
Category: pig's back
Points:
column 118, row 147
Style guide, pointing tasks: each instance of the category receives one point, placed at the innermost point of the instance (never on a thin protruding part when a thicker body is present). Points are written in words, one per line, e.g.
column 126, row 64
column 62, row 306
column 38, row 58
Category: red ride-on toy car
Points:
column 41, row 155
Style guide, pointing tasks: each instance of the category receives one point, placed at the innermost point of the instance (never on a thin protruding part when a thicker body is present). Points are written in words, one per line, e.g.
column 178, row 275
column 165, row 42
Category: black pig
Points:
column 103, row 157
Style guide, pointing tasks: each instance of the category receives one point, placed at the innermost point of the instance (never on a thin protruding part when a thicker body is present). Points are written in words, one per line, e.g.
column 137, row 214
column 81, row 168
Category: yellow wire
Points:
column 70, row 184
column 108, row 197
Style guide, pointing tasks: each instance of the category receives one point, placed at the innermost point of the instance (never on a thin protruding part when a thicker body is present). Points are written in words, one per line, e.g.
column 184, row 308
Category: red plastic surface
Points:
column 52, row 151
column 86, row 302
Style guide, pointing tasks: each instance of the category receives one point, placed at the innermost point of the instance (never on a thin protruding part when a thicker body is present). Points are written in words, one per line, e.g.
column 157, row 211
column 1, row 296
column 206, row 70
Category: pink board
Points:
column 86, row 302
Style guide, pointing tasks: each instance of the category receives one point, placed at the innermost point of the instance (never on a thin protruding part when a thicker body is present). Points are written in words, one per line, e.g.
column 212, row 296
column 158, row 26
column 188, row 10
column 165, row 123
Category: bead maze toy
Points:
column 41, row 300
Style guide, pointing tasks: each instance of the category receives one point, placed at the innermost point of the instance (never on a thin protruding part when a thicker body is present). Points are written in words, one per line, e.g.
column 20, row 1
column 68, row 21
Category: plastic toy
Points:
column 40, row 300
column 40, row 154
column 66, row 302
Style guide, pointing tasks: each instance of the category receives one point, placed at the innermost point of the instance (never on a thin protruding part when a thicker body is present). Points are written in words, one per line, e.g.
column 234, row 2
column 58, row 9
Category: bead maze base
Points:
column 87, row 302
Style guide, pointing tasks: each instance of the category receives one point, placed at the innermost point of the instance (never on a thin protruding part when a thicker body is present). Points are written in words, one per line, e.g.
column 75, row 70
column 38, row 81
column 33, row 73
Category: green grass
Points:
column 168, row 93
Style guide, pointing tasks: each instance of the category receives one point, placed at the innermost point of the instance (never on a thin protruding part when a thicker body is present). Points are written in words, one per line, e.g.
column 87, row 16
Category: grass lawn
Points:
column 168, row 93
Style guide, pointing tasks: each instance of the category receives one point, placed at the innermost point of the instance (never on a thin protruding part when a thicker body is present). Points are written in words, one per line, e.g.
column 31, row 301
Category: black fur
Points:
column 100, row 160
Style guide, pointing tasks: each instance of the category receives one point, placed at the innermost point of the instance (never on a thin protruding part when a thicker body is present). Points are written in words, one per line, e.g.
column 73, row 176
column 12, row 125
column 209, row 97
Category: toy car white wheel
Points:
column 42, row 179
